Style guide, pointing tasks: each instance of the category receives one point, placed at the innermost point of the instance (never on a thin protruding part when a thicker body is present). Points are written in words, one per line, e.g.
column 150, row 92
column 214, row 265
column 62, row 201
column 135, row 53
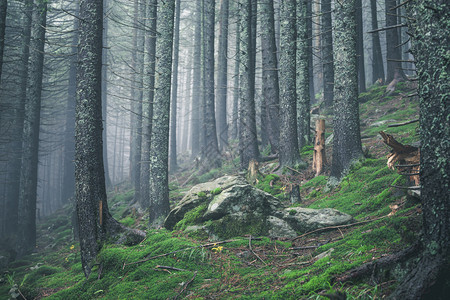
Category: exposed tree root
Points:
column 426, row 277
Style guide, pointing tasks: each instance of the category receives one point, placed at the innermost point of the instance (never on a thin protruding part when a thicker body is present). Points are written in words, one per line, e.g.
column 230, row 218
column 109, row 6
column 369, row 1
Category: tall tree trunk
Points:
column 302, row 77
column 140, row 93
column 69, row 131
column 289, row 151
column 149, row 88
column 347, row 139
column 360, row 48
column 196, row 96
column 431, row 45
column 95, row 222
column 159, row 148
column 13, row 190
column 270, row 83
column 248, row 144
column 3, row 9
column 327, row 54
column 222, row 76
column 212, row 153
column 105, row 96
column 377, row 57
column 174, row 100
column 393, row 56
column 28, row 174
column 312, row 94
column 236, row 89
column 187, row 104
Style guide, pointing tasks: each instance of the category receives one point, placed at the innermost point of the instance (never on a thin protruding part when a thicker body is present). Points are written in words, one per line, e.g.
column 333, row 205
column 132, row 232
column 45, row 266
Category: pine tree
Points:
column 347, row 140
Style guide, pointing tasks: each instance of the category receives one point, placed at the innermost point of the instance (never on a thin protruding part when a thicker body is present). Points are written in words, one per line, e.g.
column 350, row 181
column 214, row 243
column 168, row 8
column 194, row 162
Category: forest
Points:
column 231, row 149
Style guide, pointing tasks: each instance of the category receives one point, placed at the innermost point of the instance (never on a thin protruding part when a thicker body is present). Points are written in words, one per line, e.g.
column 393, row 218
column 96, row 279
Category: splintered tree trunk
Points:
column 222, row 76
column 431, row 45
column 319, row 158
column 248, row 144
column 302, row 77
column 289, row 151
column 28, row 177
column 149, row 92
column 95, row 222
column 347, row 139
column 270, row 85
column 159, row 148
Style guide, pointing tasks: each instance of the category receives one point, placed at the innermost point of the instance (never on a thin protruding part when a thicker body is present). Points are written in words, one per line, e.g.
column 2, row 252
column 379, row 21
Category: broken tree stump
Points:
column 319, row 158
column 407, row 158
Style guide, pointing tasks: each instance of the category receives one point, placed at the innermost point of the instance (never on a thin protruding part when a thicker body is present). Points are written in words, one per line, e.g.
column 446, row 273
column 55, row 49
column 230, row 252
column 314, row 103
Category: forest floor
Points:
column 171, row 265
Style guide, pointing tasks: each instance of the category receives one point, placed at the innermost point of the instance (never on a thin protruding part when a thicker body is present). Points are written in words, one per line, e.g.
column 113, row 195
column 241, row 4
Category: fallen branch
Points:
column 250, row 246
column 169, row 268
column 185, row 286
column 417, row 187
column 337, row 227
column 294, row 170
column 404, row 123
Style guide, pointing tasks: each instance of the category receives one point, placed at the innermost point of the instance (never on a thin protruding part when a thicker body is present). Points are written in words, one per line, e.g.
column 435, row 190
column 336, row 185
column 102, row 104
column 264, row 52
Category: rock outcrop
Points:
column 229, row 206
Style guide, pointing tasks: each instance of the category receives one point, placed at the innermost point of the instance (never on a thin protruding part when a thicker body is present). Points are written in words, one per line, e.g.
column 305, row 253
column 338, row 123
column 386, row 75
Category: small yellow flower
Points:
column 72, row 247
column 67, row 259
column 217, row 249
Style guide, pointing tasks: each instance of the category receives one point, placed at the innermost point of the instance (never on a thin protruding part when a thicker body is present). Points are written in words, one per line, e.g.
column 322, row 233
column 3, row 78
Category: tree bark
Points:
column 289, row 151
column 159, row 148
column 173, row 166
column 13, row 190
column 302, row 77
column 347, row 139
column 149, row 92
column 431, row 40
column 360, row 48
column 377, row 57
column 68, row 183
column 393, row 56
column 3, row 10
column 270, row 83
column 94, row 220
column 248, row 144
column 236, row 86
column 196, row 95
column 222, row 76
column 327, row 54
column 28, row 175
column 319, row 157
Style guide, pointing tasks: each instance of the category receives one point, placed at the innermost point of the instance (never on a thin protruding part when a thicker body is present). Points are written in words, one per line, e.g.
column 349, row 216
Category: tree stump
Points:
column 319, row 158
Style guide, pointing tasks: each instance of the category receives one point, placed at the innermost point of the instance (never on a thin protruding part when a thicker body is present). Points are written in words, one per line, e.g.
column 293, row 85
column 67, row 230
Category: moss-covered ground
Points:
column 169, row 265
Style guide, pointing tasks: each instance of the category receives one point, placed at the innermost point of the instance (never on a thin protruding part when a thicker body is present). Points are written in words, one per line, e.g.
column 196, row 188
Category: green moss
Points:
column 229, row 226
column 270, row 184
column 216, row 191
column 201, row 194
column 192, row 217
column 128, row 221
